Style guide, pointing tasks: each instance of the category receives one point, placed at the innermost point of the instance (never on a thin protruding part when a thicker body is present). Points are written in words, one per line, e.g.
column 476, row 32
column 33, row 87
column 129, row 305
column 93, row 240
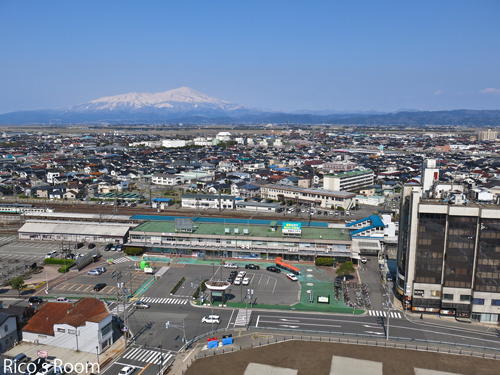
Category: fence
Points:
column 346, row 338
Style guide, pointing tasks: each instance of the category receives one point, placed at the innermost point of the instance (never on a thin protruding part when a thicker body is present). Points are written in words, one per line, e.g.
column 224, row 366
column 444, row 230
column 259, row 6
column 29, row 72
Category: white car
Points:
column 211, row 319
column 237, row 281
column 127, row 370
column 292, row 277
column 246, row 281
column 242, row 274
column 230, row 265
column 363, row 260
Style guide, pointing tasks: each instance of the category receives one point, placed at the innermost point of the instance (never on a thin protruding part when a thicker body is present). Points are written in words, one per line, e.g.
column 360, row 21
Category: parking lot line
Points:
column 79, row 287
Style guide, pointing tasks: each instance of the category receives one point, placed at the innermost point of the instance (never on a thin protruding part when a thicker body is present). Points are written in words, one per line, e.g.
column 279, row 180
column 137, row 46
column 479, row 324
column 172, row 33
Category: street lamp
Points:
column 97, row 353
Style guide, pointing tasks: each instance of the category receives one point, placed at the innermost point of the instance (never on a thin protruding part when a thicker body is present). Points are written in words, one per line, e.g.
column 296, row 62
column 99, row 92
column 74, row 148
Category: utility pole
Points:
column 122, row 297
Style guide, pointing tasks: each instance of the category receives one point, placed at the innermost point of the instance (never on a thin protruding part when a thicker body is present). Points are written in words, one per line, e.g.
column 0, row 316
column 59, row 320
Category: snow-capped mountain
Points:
column 179, row 100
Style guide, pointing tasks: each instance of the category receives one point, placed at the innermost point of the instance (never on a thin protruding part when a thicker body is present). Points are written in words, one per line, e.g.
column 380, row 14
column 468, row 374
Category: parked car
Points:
column 127, row 370
column 273, row 269
column 230, row 265
column 119, row 247
column 21, row 357
column 46, row 369
column 114, row 248
column 237, row 281
column 252, row 267
column 108, row 247
column 211, row 319
column 91, row 245
column 246, row 281
column 292, row 277
column 94, row 272
column 34, row 366
column 101, row 269
column 62, row 299
column 99, row 287
column 363, row 260
column 242, row 274
column 141, row 305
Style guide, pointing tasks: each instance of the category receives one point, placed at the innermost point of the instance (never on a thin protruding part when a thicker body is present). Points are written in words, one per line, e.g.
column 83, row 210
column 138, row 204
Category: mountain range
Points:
column 185, row 105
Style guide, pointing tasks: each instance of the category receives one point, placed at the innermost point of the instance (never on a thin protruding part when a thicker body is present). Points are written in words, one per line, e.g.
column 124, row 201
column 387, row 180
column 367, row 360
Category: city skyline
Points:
column 284, row 56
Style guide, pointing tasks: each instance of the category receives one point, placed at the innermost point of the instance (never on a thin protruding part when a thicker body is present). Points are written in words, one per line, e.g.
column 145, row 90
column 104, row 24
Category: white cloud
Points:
column 490, row 90
column 438, row 92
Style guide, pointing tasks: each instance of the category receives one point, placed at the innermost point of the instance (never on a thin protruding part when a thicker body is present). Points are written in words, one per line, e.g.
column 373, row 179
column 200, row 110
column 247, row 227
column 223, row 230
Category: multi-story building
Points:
column 348, row 181
column 488, row 135
column 205, row 201
column 320, row 197
column 448, row 252
column 167, row 179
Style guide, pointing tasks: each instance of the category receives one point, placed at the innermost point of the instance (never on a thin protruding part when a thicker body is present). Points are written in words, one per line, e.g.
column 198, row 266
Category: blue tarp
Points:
column 213, row 344
column 227, row 341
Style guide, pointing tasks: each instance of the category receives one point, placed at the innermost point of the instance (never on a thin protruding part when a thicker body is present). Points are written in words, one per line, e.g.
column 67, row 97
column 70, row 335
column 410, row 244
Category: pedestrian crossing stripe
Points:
column 146, row 355
column 171, row 301
column 118, row 309
column 121, row 260
column 385, row 314
column 243, row 317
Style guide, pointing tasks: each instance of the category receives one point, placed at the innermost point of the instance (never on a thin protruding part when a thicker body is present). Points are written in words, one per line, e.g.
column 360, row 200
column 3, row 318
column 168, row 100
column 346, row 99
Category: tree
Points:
column 345, row 269
column 18, row 283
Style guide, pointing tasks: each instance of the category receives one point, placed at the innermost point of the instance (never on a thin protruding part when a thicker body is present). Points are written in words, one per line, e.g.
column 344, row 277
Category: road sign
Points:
column 167, row 325
column 42, row 353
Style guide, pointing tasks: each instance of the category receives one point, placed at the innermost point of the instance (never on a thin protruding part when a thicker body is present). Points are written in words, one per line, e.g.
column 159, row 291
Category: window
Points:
column 6, row 328
column 435, row 293
column 448, row 297
column 464, row 298
column 106, row 329
column 72, row 331
column 478, row 301
column 62, row 330
column 495, row 302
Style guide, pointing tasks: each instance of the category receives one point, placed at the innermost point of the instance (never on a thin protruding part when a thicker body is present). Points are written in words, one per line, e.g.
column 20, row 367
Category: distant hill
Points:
column 191, row 107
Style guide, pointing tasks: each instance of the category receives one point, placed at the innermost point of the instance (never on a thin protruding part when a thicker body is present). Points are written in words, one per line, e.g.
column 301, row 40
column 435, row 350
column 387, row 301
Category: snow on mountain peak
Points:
column 180, row 98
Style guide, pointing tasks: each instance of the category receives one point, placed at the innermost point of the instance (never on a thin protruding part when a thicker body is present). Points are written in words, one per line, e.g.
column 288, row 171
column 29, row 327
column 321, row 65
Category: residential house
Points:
column 83, row 325
column 8, row 331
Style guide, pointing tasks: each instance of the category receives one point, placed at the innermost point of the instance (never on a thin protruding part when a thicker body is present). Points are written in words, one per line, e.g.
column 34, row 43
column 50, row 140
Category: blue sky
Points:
column 287, row 55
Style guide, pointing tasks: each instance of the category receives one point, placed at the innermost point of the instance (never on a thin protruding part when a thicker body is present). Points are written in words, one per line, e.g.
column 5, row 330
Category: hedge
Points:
column 58, row 261
column 177, row 286
column 134, row 250
column 322, row 261
column 196, row 294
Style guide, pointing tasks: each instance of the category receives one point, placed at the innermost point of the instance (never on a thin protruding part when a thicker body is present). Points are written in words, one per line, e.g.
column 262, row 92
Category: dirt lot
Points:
column 314, row 358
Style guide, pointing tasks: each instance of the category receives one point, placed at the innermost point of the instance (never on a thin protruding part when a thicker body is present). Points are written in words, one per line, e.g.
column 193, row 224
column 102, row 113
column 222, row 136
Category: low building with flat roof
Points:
column 289, row 240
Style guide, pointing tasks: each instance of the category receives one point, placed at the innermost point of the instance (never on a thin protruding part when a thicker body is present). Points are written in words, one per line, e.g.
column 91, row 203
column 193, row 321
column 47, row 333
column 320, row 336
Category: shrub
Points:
column 64, row 269
column 323, row 261
column 58, row 261
column 134, row 250
column 177, row 286
column 196, row 294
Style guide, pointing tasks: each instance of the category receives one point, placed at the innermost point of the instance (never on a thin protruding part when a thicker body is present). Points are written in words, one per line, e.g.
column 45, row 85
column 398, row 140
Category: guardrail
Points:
column 354, row 338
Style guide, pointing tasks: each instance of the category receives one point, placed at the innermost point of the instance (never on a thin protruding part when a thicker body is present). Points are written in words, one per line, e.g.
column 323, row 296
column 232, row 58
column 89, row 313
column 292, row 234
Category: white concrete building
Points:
column 167, row 179
column 348, row 181
column 84, row 325
column 206, row 201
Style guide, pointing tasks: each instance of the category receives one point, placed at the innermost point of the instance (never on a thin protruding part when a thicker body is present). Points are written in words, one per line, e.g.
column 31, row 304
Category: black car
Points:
column 108, row 247
column 35, row 366
column 230, row 279
column 252, row 267
column 91, row 245
column 99, row 287
column 35, row 300
column 273, row 269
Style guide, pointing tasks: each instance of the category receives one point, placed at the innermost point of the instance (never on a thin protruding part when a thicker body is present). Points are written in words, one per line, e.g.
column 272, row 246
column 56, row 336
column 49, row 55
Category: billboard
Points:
column 292, row 228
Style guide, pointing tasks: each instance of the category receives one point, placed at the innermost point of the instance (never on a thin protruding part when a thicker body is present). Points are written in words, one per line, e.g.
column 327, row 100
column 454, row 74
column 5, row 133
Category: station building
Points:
column 268, row 240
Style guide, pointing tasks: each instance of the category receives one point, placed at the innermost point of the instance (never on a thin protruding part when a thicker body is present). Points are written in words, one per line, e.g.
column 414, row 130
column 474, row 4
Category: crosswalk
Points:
column 243, row 317
column 118, row 309
column 122, row 260
column 385, row 314
column 146, row 355
column 171, row 301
